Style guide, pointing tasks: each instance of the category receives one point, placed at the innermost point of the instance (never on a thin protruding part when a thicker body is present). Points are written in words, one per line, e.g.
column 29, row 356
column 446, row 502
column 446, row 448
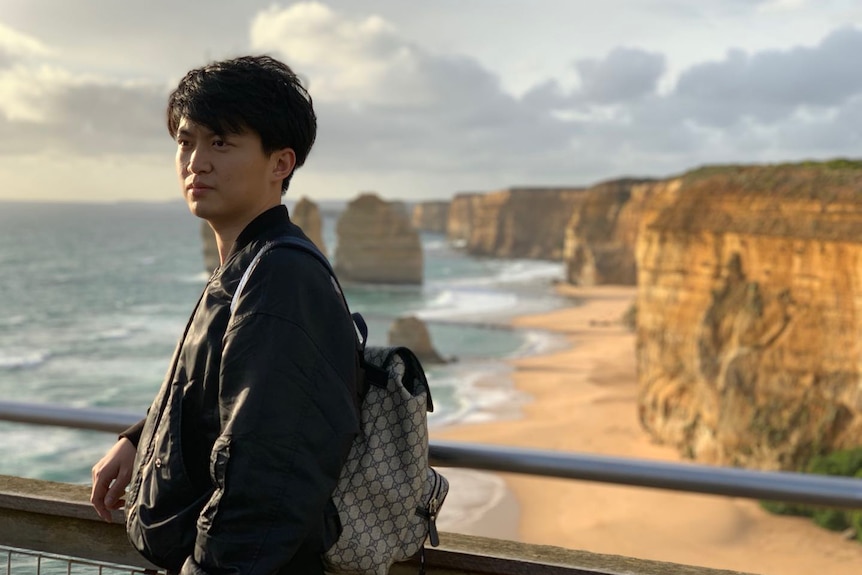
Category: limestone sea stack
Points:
column 410, row 331
column 306, row 214
column 210, row 248
column 377, row 243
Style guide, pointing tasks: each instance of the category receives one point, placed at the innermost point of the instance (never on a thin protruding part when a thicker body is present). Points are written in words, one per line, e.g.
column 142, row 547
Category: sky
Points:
column 425, row 100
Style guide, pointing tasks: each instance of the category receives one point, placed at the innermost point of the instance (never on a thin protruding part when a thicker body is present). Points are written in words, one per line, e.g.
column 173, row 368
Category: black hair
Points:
column 256, row 93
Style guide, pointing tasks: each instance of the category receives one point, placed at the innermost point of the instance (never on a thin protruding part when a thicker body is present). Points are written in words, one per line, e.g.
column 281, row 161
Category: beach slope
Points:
column 583, row 399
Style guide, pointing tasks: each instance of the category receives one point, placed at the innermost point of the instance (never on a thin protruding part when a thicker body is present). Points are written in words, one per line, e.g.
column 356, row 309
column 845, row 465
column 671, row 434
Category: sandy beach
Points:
column 583, row 399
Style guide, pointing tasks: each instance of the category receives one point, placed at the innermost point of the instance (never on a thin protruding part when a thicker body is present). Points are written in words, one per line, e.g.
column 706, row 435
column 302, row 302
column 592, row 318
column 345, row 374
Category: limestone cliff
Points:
column 377, row 244
column 750, row 313
column 431, row 216
column 599, row 245
column 460, row 223
column 306, row 215
column 515, row 223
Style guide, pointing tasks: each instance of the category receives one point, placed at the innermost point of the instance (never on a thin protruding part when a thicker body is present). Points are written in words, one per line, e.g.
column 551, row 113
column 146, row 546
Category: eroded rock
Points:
column 410, row 331
column 306, row 214
column 377, row 243
column 749, row 314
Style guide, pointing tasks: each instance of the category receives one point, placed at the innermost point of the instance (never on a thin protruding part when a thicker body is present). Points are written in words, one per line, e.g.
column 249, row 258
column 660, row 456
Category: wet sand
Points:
column 583, row 399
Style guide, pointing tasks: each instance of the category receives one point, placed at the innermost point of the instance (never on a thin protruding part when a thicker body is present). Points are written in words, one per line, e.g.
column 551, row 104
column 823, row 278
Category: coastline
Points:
column 583, row 398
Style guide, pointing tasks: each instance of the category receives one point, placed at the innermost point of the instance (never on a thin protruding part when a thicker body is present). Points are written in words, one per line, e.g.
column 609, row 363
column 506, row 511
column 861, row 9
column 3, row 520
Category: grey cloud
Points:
column 766, row 106
column 105, row 116
column 548, row 94
column 625, row 74
column 770, row 85
column 468, row 123
column 23, row 138
column 834, row 135
column 702, row 10
column 6, row 59
column 654, row 124
column 93, row 119
column 746, row 107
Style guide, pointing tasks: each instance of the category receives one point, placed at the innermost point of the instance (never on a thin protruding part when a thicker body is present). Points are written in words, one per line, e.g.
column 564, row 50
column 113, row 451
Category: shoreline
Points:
column 583, row 398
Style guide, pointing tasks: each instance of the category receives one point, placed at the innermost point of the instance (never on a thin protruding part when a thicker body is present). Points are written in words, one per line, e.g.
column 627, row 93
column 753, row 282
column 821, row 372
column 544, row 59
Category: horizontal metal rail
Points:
column 826, row 491
column 843, row 492
column 90, row 418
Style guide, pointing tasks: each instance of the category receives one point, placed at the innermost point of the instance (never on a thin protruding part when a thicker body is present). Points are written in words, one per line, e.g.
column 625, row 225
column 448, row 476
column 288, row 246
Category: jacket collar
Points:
column 271, row 218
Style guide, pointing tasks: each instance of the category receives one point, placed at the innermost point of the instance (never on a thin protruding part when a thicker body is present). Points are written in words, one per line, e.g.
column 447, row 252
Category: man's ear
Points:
column 284, row 163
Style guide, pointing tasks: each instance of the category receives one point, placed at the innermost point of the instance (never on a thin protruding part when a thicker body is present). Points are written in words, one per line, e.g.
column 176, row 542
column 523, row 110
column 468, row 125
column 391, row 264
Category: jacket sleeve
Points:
column 133, row 433
column 287, row 413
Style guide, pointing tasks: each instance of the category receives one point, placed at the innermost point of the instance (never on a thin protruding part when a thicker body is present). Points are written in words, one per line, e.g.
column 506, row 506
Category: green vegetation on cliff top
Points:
column 805, row 200
column 735, row 169
column 844, row 463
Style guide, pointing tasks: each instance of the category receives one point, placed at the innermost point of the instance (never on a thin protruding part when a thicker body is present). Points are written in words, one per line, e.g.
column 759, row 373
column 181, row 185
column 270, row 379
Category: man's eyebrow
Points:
column 205, row 132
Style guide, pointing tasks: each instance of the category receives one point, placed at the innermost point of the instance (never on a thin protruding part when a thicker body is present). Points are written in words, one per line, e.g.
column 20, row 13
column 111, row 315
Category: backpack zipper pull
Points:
column 432, row 523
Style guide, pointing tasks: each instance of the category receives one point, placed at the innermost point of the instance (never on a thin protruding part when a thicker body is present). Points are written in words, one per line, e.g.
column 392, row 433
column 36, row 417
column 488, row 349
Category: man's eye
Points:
column 182, row 143
column 219, row 143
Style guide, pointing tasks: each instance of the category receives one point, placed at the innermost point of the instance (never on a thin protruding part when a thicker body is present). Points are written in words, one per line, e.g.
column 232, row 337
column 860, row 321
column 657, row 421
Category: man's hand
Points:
column 111, row 475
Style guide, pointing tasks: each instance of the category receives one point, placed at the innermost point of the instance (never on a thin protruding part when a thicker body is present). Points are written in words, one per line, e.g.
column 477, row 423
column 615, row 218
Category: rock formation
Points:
column 431, row 216
column 377, row 244
column 306, row 215
column 210, row 248
column 514, row 223
column 460, row 221
column 750, row 313
column 412, row 332
column 599, row 243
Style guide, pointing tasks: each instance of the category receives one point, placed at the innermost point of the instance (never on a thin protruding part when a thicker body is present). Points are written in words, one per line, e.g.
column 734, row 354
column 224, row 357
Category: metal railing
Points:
column 15, row 561
column 839, row 492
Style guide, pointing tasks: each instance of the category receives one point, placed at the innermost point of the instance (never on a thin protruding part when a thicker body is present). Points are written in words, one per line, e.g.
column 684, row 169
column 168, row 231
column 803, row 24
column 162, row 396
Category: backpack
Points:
column 387, row 495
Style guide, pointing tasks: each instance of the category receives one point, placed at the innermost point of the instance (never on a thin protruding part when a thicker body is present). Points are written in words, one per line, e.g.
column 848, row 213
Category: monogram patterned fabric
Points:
column 388, row 496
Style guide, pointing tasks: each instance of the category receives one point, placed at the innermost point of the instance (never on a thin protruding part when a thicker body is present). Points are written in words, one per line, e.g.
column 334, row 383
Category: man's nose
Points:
column 199, row 161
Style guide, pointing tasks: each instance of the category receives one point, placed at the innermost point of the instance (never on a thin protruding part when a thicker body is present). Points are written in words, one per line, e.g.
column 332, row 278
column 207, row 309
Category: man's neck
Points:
column 226, row 234
column 224, row 242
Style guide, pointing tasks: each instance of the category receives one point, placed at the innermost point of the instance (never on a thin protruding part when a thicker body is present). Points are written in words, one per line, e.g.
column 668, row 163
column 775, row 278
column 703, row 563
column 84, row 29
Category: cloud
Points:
column 748, row 107
column 114, row 118
column 362, row 61
column 385, row 103
column 771, row 85
column 392, row 110
column 6, row 59
column 781, row 5
column 45, row 108
column 16, row 48
column 15, row 45
column 48, row 109
column 625, row 74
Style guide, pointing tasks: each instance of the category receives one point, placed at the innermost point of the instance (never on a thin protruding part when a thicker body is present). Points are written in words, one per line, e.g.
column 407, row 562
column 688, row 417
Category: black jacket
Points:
column 242, row 447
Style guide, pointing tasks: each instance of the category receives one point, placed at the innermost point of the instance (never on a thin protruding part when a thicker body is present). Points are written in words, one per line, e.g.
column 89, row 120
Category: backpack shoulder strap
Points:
column 309, row 247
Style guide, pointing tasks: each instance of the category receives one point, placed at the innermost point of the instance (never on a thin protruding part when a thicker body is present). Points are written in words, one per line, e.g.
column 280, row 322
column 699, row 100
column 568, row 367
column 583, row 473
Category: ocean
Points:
column 94, row 296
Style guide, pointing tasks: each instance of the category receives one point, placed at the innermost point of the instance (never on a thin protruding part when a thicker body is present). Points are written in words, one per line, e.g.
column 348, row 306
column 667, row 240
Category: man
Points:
column 233, row 468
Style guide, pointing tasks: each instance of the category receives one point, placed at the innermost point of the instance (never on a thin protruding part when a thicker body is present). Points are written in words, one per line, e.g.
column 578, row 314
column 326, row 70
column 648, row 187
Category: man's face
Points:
column 226, row 179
